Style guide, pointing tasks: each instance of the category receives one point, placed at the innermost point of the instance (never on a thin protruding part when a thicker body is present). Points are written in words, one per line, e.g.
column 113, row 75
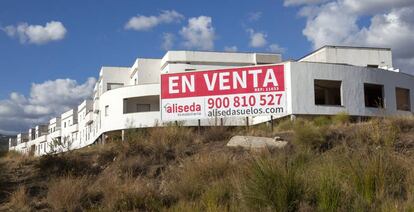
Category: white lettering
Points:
column 270, row 78
column 188, row 84
column 239, row 80
column 212, row 83
column 172, row 84
column 255, row 78
column 224, row 78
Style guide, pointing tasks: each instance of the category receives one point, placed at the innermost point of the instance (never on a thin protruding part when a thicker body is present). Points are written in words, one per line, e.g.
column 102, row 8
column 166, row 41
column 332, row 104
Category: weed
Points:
column 341, row 118
column 272, row 185
column 309, row 136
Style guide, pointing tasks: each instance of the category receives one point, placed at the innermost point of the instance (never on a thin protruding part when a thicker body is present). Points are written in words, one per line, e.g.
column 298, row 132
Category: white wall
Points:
column 115, row 119
column 352, row 56
column 147, row 71
column 353, row 78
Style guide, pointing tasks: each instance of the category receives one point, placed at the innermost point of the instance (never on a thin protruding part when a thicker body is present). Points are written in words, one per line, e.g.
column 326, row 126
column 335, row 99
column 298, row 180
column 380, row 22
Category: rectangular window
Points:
column 327, row 92
column 111, row 86
column 403, row 99
column 374, row 95
column 107, row 110
column 143, row 107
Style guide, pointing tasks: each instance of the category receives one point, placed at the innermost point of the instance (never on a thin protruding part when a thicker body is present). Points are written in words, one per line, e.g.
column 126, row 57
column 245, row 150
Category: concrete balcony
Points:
column 88, row 118
column 73, row 128
column 122, row 112
column 96, row 106
column 56, row 134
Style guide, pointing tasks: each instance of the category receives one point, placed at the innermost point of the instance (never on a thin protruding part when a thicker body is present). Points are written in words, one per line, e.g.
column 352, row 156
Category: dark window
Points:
column 107, row 110
column 327, row 92
column 111, row 86
column 374, row 95
column 403, row 99
column 143, row 107
column 372, row 66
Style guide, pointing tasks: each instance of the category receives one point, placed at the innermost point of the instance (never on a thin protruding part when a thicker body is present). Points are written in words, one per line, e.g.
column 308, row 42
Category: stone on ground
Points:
column 253, row 142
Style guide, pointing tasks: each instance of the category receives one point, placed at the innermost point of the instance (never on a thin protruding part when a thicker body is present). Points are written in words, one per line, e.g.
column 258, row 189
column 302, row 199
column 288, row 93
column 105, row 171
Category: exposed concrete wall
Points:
column 353, row 79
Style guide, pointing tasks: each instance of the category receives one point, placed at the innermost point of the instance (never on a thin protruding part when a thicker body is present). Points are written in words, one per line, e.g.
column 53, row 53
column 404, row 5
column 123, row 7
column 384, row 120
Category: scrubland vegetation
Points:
column 330, row 164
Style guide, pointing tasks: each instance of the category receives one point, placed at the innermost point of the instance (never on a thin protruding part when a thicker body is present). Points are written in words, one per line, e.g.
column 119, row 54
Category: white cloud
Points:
column 391, row 25
column 142, row 23
column 37, row 34
column 168, row 41
column 374, row 6
column 230, row 48
column 276, row 48
column 46, row 100
column 257, row 39
column 254, row 16
column 199, row 33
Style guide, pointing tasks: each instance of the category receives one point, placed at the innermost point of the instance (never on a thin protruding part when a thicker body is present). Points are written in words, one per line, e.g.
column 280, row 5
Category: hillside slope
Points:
column 328, row 165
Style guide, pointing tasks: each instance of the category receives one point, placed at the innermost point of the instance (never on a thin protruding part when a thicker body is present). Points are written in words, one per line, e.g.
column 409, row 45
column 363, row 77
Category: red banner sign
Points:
column 256, row 90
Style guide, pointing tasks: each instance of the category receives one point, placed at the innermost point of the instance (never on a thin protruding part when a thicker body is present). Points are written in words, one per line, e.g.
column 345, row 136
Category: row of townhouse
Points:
column 327, row 81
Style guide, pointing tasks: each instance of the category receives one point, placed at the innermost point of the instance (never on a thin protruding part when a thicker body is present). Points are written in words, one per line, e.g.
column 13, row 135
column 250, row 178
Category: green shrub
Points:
column 219, row 133
column 218, row 196
column 376, row 176
column 285, row 124
column 169, row 142
column 196, row 174
column 378, row 132
column 322, row 121
column 341, row 118
column 270, row 184
column 329, row 194
column 309, row 136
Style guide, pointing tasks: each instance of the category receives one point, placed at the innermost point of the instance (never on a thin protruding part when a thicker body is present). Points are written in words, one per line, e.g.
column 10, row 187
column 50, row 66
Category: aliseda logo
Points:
column 186, row 108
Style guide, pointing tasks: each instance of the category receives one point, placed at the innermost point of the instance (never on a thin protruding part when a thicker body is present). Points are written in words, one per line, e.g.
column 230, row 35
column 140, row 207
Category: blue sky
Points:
column 96, row 36
column 52, row 50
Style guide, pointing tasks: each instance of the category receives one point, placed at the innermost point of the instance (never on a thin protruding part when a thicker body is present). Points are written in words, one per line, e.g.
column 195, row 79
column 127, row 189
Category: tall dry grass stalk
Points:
column 19, row 200
column 68, row 193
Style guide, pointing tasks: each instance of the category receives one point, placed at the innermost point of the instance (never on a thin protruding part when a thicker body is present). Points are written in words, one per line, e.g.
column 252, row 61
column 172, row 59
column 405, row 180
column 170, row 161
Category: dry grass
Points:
column 329, row 165
column 67, row 193
column 190, row 180
column 17, row 158
column 19, row 200
column 128, row 193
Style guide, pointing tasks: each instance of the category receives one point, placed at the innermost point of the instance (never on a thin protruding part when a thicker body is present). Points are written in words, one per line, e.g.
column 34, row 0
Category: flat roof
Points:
column 345, row 47
column 229, row 52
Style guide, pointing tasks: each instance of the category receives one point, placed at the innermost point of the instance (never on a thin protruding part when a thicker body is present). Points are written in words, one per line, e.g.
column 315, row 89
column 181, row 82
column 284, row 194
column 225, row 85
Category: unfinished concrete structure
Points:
column 360, row 81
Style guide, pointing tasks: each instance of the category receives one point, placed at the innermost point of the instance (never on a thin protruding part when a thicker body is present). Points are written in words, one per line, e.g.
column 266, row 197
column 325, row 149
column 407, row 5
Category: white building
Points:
column 357, row 80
